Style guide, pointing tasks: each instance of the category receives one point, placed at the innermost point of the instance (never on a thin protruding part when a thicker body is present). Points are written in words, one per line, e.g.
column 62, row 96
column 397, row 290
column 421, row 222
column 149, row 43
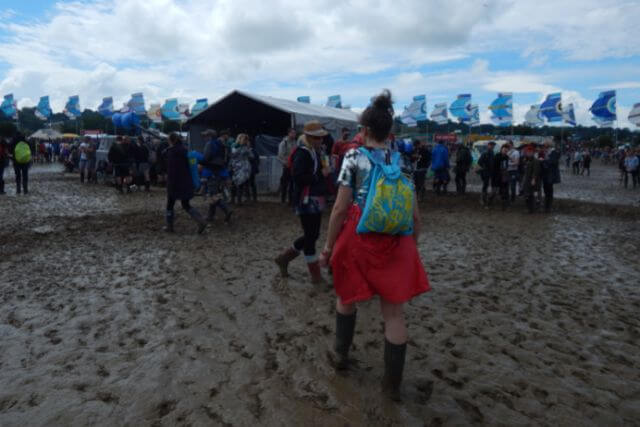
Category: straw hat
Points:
column 314, row 128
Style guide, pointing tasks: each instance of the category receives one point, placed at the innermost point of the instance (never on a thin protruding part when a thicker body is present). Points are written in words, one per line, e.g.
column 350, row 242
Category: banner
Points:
column 461, row 108
column 445, row 137
column 439, row 114
column 9, row 107
column 136, row 104
column 551, row 108
column 502, row 109
column 106, row 108
column 334, row 101
column 200, row 105
column 170, row 109
column 72, row 109
column 568, row 115
column 43, row 109
column 604, row 108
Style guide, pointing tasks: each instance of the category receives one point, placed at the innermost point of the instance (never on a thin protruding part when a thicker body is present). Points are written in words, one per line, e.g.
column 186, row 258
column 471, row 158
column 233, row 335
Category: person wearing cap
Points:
column 486, row 164
column 309, row 198
column 463, row 164
column 531, row 177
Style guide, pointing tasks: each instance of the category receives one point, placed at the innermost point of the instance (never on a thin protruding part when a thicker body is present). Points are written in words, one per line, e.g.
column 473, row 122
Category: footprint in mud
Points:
column 425, row 390
column 166, row 407
column 540, row 393
column 471, row 410
column 107, row 397
column 51, row 334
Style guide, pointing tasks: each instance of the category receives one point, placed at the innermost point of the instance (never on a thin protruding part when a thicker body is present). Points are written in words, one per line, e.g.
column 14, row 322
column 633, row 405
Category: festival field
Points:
column 105, row 320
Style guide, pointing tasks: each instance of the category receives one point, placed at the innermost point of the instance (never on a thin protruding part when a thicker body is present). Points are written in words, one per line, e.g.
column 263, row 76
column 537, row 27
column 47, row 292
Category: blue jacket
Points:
column 440, row 157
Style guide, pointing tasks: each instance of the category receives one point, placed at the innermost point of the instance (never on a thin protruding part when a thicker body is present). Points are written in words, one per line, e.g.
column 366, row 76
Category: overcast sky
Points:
column 288, row 48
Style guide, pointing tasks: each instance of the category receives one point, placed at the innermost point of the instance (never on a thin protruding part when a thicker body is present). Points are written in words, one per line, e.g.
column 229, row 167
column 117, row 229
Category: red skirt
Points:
column 371, row 264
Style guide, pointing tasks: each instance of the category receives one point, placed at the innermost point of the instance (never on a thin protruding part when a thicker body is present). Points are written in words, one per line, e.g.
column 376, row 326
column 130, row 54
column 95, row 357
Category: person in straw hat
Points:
column 309, row 198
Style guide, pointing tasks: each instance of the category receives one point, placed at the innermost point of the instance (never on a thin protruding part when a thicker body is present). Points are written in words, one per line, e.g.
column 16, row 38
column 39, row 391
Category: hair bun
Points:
column 383, row 101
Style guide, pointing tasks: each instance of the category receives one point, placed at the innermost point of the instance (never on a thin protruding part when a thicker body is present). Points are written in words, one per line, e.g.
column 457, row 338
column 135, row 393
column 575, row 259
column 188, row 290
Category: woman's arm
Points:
column 338, row 215
column 416, row 219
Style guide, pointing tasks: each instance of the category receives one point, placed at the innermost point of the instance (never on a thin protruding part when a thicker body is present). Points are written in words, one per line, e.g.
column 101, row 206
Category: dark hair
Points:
column 174, row 137
column 378, row 117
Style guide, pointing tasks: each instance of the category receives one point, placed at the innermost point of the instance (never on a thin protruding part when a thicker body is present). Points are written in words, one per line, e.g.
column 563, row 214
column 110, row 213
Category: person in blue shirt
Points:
column 215, row 160
column 440, row 167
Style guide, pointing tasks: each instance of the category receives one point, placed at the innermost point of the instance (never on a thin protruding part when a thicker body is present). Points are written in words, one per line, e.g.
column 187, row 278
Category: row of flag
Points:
column 462, row 108
column 465, row 111
column 171, row 110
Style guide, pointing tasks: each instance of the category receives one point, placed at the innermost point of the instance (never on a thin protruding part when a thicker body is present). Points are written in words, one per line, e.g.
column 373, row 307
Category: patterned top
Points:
column 356, row 168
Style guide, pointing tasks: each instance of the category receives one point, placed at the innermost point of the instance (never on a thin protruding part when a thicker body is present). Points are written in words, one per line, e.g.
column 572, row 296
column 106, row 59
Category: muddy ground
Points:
column 105, row 320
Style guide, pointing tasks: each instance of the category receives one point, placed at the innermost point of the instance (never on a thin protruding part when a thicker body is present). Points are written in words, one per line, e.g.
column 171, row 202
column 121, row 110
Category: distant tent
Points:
column 46, row 133
column 264, row 115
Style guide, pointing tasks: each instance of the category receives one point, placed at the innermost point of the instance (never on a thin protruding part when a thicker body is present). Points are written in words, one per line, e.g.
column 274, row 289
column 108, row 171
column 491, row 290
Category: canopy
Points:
column 70, row 135
column 46, row 134
column 258, row 114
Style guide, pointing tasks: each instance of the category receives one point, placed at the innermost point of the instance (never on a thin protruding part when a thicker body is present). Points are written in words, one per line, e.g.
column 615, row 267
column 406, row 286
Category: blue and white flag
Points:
column 474, row 118
column 569, row 115
column 634, row 114
column 603, row 123
column 72, row 109
column 136, row 104
column 170, row 109
column 418, row 108
column 304, row 99
column 200, row 105
column 106, row 108
column 154, row 113
column 551, row 108
column 9, row 107
column 183, row 111
column 502, row 109
column 334, row 101
column 461, row 108
column 43, row 109
column 604, row 108
column 407, row 119
column 439, row 114
column 533, row 117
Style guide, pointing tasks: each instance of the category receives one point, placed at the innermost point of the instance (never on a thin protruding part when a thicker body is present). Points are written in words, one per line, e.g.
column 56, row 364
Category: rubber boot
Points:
column 169, row 219
column 212, row 212
column 119, row 188
column 284, row 259
column 81, row 177
column 345, row 325
column 2, row 187
column 147, row 186
column 202, row 224
column 315, row 273
column 394, row 356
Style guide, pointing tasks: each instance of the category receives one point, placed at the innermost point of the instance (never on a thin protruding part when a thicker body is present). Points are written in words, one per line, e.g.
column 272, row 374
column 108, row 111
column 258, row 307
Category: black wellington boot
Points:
column 345, row 325
column 394, row 356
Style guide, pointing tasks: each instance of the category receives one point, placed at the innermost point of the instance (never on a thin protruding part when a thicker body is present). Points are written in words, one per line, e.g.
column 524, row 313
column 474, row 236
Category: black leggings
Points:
column 171, row 202
column 311, row 229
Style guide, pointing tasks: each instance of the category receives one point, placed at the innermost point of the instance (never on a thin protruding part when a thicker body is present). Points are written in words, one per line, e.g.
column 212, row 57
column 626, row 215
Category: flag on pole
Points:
column 9, row 107
column 439, row 114
column 43, row 109
column 200, row 105
column 569, row 115
column 502, row 109
column 334, row 101
column 72, row 109
column 170, row 109
column 136, row 104
column 461, row 108
column 154, row 113
column 106, row 108
column 551, row 108
column 604, row 108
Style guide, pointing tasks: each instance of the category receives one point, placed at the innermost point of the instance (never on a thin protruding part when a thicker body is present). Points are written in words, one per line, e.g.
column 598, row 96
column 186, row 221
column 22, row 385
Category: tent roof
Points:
column 291, row 107
column 46, row 133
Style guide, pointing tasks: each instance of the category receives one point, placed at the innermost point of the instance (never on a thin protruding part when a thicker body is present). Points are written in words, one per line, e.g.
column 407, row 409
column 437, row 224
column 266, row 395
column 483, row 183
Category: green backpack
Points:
column 22, row 153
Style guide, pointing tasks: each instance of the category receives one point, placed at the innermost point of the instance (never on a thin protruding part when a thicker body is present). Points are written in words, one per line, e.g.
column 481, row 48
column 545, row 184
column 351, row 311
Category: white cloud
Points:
column 194, row 48
column 618, row 85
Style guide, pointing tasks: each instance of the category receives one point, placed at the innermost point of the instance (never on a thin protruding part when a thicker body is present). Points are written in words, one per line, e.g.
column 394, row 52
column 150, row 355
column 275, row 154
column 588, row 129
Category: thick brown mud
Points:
column 105, row 320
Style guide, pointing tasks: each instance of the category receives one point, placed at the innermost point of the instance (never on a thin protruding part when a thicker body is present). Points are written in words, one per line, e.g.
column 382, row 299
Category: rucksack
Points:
column 390, row 200
column 22, row 153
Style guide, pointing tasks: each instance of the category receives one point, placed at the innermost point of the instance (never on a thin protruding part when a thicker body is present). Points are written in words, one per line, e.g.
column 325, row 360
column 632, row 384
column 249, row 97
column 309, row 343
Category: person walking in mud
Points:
column 180, row 184
column 142, row 167
column 486, row 163
column 440, row 167
column 463, row 164
column 514, row 171
column 309, row 196
column 372, row 263
column 586, row 163
column 631, row 167
column 500, row 177
column 4, row 162
column 214, row 160
column 531, row 178
column 117, row 158
column 286, row 147
column 21, row 153
column 550, row 174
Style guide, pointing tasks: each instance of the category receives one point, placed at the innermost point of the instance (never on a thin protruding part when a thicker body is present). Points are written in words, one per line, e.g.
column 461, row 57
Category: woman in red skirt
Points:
column 365, row 265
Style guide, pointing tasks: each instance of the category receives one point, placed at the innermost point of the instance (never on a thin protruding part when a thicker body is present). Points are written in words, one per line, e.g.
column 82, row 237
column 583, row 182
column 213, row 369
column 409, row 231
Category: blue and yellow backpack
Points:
column 389, row 205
